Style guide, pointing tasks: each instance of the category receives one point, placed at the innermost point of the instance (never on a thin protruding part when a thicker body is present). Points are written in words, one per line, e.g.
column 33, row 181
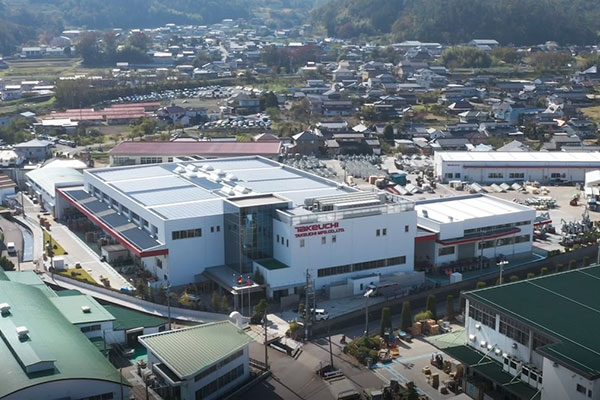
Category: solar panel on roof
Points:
column 140, row 238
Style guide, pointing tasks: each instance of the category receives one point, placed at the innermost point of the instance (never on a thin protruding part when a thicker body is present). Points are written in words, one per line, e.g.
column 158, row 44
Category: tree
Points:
column 109, row 46
column 509, row 55
column 450, row 307
column 88, row 49
column 142, row 289
column 572, row 264
column 269, row 100
column 6, row 264
column 550, row 61
column 301, row 309
column 388, row 133
column 466, row 57
column 586, row 261
column 202, row 58
column 544, row 271
column 431, row 305
column 560, row 268
column 406, row 318
column 481, row 285
column 258, row 278
column 225, row 304
column 386, row 320
column 144, row 127
column 215, row 301
column 261, row 307
column 139, row 40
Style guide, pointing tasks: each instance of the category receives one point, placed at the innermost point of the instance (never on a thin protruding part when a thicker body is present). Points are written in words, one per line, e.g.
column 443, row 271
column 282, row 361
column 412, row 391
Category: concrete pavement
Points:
column 12, row 233
column 79, row 252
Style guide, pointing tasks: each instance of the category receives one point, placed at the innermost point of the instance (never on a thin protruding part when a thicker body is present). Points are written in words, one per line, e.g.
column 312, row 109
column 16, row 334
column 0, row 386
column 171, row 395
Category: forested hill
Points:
column 22, row 20
column 521, row 22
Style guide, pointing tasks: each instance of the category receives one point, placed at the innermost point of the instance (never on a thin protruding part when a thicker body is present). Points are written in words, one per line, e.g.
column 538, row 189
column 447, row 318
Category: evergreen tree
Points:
column 431, row 305
column 450, row 307
column 386, row 320
column 215, row 301
column 406, row 318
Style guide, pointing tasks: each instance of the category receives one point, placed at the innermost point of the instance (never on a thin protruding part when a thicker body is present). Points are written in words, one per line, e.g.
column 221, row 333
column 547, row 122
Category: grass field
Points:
column 592, row 112
column 79, row 273
column 45, row 69
column 58, row 249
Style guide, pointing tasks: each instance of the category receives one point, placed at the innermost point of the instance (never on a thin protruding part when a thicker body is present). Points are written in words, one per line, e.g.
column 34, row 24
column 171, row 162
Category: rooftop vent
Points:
column 4, row 308
column 209, row 168
column 86, row 309
column 22, row 332
column 179, row 169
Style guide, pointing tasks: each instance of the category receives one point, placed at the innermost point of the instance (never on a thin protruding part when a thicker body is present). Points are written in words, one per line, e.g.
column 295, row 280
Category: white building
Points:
column 498, row 167
column 521, row 339
column 202, row 362
column 185, row 221
column 456, row 230
column 42, row 183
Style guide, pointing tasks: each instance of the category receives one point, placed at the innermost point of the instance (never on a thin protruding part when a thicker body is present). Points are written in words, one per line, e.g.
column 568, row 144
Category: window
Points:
column 186, row 234
column 231, row 376
column 150, row 160
column 521, row 239
column 212, row 229
column 218, row 228
column 557, row 175
column 91, row 328
column 301, row 242
column 384, row 231
column 334, row 239
column 444, row 251
column 134, row 216
column 457, row 175
column 324, row 240
column 482, row 314
column 406, row 228
column 449, row 175
column 514, row 330
column 516, row 175
column 378, row 232
column 205, row 373
column 486, row 244
column 277, row 238
column 495, row 175
column 343, row 269
column 287, row 243
column 169, row 159
column 158, row 262
column 124, row 210
column 581, row 389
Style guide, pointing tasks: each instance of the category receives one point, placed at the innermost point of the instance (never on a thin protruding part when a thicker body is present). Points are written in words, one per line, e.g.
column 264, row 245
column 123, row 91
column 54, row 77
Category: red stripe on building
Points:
column 478, row 238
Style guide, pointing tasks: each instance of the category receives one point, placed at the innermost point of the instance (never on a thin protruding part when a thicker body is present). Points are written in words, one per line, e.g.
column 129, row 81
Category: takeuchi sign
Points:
column 318, row 229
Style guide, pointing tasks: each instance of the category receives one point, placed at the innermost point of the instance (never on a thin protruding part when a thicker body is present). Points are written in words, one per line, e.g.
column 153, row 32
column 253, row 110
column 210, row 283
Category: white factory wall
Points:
column 357, row 243
column 561, row 383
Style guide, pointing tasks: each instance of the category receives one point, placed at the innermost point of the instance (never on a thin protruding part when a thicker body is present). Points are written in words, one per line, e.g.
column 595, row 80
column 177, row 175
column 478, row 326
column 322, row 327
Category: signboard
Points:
column 318, row 229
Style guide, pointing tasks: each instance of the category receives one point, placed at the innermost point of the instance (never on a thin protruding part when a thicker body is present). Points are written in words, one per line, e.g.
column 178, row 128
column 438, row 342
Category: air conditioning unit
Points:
column 4, row 308
column 86, row 309
column 22, row 332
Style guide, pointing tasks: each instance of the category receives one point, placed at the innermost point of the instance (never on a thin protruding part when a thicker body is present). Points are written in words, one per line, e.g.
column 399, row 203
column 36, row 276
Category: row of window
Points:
column 492, row 228
column 219, row 383
column 152, row 160
column 482, row 314
column 91, row 328
column 218, row 365
column 503, row 241
column 514, row 330
column 521, row 175
column 448, row 175
column 286, row 242
column 581, row 389
column 186, row 234
column 444, row 251
column 344, row 269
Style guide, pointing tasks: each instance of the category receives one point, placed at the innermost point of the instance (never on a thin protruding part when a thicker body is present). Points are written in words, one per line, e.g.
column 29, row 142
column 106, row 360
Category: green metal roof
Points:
column 30, row 278
column 51, row 338
column 492, row 370
column 190, row 350
column 126, row 318
column 71, row 308
column 551, row 304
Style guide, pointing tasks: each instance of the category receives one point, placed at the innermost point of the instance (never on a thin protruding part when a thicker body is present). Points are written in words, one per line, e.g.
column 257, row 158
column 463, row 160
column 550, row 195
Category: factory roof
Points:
column 198, row 188
column 515, row 157
column 462, row 208
column 50, row 178
column 550, row 305
column 190, row 350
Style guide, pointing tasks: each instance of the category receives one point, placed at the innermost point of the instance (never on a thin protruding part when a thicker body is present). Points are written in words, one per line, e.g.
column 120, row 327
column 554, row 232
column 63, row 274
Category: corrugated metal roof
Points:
column 190, row 350
column 70, row 307
column 48, row 178
column 190, row 210
column 519, row 156
column 174, row 195
column 118, row 174
column 195, row 148
column 155, row 183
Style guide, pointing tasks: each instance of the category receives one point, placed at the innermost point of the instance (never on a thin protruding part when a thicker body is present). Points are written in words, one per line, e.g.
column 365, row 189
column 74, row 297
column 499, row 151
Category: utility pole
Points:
column 330, row 349
column 169, row 303
column 19, row 260
column 266, row 352
column 367, row 294
column 121, row 378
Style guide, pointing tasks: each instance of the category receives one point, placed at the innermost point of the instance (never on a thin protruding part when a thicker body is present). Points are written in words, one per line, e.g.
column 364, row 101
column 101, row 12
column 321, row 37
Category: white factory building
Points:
column 457, row 233
column 186, row 221
column 498, row 167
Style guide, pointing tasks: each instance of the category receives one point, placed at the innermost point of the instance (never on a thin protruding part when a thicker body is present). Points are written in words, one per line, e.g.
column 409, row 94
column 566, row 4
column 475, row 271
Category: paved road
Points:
column 12, row 233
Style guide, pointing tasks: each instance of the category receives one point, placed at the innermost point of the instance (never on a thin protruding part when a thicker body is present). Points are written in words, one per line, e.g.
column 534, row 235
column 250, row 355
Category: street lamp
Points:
column 367, row 294
column 501, row 264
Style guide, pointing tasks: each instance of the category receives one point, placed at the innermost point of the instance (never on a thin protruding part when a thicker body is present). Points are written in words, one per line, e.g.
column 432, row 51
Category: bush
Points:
column 423, row 315
column 544, row 271
column 530, row 275
column 572, row 264
column 586, row 261
column 6, row 264
column 481, row 285
column 450, row 307
column 514, row 278
column 560, row 268
column 363, row 347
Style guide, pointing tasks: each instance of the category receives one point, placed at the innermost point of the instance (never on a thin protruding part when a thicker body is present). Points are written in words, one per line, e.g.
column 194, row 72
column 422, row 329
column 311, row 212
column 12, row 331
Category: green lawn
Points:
column 77, row 273
column 58, row 249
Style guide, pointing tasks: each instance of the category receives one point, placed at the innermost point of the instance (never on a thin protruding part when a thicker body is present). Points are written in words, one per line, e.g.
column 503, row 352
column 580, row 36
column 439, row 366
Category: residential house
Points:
column 307, row 143
column 244, row 104
column 34, row 150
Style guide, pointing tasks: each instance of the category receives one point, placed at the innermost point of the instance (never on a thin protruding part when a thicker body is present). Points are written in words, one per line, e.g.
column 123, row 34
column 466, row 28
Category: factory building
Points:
column 223, row 218
column 465, row 232
column 499, row 167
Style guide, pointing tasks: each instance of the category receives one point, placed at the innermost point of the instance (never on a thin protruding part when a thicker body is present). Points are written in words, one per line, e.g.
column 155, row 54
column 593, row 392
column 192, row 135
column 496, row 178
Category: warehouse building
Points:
column 189, row 221
column 42, row 183
column 137, row 153
column 202, row 362
column 464, row 232
column 522, row 340
column 499, row 167
column 45, row 355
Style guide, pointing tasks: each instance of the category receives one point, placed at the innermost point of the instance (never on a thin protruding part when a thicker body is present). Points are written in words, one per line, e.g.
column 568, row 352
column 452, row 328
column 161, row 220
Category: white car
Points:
column 321, row 314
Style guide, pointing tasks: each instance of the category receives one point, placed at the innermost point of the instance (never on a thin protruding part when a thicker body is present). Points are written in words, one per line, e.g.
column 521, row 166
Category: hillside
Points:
column 521, row 22
column 22, row 20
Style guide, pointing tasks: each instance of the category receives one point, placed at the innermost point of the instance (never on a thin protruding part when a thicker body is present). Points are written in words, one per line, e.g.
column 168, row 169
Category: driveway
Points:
column 12, row 233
